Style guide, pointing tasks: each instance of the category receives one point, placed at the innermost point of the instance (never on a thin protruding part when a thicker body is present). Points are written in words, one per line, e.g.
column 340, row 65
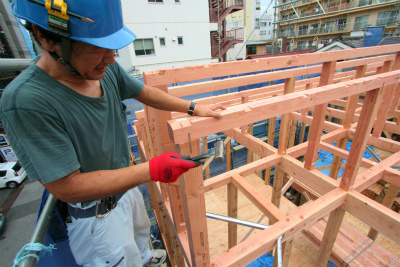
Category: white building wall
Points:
column 189, row 19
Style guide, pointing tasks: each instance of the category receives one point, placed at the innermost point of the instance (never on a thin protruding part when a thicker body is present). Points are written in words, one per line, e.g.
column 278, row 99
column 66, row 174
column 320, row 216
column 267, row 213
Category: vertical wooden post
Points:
column 279, row 174
column 250, row 154
column 232, row 212
column 195, row 208
column 282, row 146
column 386, row 99
column 271, row 137
column 168, row 236
column 327, row 73
column 292, row 137
column 304, row 112
column 388, row 200
column 364, row 126
column 350, row 110
column 328, row 240
column 205, row 149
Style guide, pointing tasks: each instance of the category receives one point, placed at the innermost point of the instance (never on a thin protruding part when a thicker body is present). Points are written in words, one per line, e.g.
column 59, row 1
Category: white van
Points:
column 11, row 174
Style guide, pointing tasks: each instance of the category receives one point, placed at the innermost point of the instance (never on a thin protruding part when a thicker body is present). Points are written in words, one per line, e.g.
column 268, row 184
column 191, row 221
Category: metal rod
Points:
column 279, row 250
column 373, row 154
column 8, row 64
column 40, row 229
column 249, row 224
column 237, row 221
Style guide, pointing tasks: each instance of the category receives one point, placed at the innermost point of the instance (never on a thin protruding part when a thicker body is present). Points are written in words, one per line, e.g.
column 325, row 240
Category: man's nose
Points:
column 109, row 56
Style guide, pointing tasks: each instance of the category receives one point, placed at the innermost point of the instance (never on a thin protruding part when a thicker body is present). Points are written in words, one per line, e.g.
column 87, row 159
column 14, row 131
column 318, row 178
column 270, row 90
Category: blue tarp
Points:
column 373, row 35
column 326, row 158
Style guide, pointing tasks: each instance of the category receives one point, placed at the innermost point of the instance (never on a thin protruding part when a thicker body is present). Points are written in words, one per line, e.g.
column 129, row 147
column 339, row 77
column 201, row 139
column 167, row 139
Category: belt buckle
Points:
column 109, row 204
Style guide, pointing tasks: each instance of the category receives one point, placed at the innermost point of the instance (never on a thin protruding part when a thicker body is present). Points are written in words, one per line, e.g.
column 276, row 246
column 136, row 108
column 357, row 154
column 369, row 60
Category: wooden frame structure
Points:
column 180, row 207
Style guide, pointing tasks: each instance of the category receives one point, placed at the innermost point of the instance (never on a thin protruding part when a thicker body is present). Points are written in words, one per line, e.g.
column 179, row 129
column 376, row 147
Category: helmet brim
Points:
column 115, row 41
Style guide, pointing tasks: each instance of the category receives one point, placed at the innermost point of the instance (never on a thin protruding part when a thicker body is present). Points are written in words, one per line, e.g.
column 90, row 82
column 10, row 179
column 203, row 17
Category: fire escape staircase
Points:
column 221, row 42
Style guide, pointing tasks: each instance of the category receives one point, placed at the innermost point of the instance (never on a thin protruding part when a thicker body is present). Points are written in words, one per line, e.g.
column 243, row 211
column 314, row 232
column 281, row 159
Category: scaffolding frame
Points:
column 180, row 207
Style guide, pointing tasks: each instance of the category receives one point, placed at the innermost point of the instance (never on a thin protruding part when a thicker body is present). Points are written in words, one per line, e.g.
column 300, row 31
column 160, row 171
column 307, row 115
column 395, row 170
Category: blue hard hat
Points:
column 107, row 31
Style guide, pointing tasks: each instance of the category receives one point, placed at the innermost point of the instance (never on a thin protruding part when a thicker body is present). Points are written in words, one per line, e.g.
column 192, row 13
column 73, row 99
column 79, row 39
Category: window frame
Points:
column 162, row 38
column 181, row 40
column 144, row 48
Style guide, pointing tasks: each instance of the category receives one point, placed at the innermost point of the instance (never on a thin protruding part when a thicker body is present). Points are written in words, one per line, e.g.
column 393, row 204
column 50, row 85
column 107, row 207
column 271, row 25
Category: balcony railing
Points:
column 333, row 8
column 332, row 28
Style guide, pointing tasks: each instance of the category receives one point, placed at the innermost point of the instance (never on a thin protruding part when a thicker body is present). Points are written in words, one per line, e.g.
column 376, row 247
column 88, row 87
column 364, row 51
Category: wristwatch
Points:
column 191, row 108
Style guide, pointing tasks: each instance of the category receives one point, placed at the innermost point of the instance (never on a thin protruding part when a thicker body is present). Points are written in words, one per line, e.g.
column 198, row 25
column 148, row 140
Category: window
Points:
column 155, row 1
column 303, row 30
column 180, row 40
column 116, row 53
column 301, row 45
column 263, row 32
column 364, row 2
column 144, row 47
column 251, row 50
column 263, row 23
column 257, row 23
column 360, row 22
column 3, row 173
column 177, row 1
column 162, row 41
column 314, row 28
column 387, row 18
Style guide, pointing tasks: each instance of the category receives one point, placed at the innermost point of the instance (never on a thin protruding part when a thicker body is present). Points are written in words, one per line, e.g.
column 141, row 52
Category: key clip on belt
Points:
column 109, row 204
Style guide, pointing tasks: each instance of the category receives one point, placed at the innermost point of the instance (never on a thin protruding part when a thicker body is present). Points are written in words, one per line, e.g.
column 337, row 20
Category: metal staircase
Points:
column 222, row 40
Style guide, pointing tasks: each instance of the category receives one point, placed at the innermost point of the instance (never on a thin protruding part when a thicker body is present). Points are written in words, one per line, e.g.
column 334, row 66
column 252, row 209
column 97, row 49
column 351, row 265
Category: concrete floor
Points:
column 20, row 206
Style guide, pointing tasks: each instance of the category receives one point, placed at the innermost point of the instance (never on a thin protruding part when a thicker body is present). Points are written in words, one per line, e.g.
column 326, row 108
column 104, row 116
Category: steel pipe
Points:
column 12, row 64
column 40, row 229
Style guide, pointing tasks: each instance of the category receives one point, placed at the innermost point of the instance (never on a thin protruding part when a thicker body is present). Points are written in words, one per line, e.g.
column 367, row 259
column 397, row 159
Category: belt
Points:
column 101, row 210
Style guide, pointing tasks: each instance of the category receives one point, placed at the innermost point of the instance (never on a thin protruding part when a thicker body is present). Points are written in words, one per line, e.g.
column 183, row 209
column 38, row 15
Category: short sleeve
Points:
column 128, row 86
column 41, row 143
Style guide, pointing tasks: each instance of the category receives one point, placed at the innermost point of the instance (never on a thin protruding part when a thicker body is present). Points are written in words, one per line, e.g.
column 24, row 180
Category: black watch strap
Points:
column 191, row 108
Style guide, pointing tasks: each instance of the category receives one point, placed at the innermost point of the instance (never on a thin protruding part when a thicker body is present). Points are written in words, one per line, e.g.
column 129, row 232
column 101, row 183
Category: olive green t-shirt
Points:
column 54, row 130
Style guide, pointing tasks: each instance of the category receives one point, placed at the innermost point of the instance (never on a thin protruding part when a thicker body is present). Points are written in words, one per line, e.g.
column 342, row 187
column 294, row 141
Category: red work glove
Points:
column 167, row 167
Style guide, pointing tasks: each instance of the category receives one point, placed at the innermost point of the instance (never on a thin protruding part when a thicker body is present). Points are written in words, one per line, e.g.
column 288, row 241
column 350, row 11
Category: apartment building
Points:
column 170, row 33
column 257, row 24
column 309, row 24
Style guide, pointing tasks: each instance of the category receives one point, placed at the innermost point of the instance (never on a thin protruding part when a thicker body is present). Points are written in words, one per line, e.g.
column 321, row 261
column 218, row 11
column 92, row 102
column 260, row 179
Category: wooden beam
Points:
column 264, row 109
column 195, row 211
column 316, row 180
column 183, row 74
column 256, row 246
column 364, row 126
column 244, row 171
column 388, row 200
column 381, row 218
column 315, row 132
column 328, row 241
column 232, row 212
column 282, row 147
column 258, row 199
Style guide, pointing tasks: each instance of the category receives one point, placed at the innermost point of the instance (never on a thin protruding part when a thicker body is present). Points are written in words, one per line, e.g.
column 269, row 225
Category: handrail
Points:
column 40, row 229
column 8, row 64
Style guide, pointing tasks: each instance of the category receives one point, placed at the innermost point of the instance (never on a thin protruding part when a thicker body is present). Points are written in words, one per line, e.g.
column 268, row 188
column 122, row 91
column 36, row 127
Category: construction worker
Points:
column 67, row 125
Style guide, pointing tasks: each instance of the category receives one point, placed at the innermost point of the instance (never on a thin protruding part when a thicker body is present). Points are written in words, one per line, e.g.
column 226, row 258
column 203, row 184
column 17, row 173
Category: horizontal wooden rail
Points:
column 220, row 84
column 199, row 72
column 256, row 246
column 272, row 107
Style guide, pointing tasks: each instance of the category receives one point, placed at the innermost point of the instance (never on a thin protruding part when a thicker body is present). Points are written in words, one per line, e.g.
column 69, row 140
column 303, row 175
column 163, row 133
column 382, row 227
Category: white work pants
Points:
column 120, row 239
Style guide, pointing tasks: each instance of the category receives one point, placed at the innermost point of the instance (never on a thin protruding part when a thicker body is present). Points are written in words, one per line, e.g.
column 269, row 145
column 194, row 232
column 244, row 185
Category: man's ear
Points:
column 46, row 44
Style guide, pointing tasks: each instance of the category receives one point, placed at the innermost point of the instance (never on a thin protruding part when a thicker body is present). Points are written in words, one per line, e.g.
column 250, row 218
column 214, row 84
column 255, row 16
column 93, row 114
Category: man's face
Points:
column 91, row 61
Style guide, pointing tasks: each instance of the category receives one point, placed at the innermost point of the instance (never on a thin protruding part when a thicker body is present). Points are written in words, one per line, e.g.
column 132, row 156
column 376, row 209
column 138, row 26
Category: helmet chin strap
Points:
column 66, row 55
